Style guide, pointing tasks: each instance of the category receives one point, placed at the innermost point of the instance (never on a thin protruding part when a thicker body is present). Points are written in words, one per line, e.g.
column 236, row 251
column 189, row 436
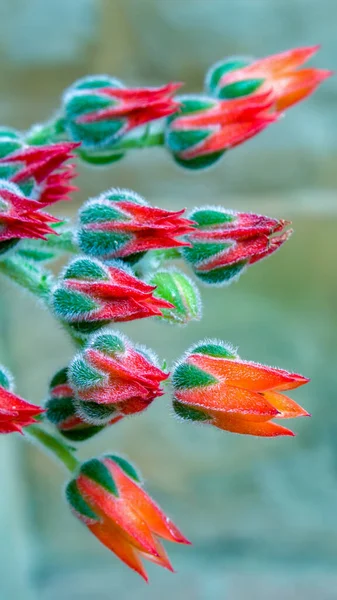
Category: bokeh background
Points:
column 262, row 514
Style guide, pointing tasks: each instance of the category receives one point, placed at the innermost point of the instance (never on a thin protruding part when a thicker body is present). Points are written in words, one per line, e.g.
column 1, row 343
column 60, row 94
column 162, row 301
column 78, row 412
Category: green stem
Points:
column 37, row 281
column 51, row 443
column 46, row 133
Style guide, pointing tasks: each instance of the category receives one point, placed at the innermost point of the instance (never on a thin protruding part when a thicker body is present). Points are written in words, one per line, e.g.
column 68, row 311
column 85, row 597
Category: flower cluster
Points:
column 124, row 267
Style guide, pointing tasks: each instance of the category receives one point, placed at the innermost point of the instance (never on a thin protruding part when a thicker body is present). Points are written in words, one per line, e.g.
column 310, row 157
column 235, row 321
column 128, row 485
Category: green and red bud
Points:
column 63, row 410
column 120, row 224
column 42, row 173
column 108, row 497
column 225, row 242
column 179, row 290
column 91, row 294
column 205, row 127
column 20, row 217
column 120, row 377
column 99, row 110
column 15, row 412
column 212, row 385
column 278, row 74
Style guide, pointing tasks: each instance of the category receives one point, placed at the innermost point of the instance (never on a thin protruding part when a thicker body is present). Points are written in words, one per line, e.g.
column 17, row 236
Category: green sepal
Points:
column 76, row 500
column 187, row 376
column 209, row 217
column 126, row 466
column 188, row 413
column 69, row 303
column 85, row 268
column 101, row 243
column 84, row 376
column 221, row 275
column 201, row 251
column 215, row 350
column 199, row 162
column 221, row 68
column 108, row 343
column 96, row 470
column 239, row 89
column 93, row 412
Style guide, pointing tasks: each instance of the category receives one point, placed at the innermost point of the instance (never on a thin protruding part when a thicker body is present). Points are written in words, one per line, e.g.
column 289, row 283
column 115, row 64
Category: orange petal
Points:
column 111, row 537
column 287, row 407
column 120, row 513
column 237, row 425
column 143, row 504
column 285, row 61
column 162, row 560
column 233, row 400
column 248, row 375
column 294, row 87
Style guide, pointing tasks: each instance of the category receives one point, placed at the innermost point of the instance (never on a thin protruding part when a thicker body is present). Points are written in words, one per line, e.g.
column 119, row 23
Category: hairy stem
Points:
column 53, row 445
column 36, row 280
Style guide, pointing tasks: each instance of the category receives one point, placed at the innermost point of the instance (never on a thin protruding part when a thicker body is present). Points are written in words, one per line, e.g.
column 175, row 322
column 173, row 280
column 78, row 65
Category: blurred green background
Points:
column 262, row 514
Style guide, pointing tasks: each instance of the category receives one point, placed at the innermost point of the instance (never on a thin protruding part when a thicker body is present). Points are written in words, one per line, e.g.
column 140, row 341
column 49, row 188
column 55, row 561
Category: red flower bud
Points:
column 224, row 242
column 278, row 73
column 107, row 496
column 99, row 110
column 112, row 372
column 15, row 412
column 205, row 127
column 39, row 171
column 92, row 294
column 213, row 385
column 19, row 217
column 65, row 412
column 119, row 224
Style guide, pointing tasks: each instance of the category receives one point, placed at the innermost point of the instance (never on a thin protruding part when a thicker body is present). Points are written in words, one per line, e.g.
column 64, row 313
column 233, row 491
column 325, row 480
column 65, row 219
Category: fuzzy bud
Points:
column 212, row 385
column 99, row 110
column 120, row 224
column 115, row 374
column 15, row 412
column 20, row 217
column 278, row 74
column 91, row 295
column 107, row 496
column 64, row 411
column 224, row 242
column 178, row 289
column 198, row 135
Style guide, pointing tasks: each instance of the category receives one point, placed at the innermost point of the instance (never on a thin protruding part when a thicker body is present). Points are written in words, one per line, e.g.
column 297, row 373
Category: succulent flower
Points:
column 212, row 385
column 108, row 497
column 205, row 127
column 279, row 73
